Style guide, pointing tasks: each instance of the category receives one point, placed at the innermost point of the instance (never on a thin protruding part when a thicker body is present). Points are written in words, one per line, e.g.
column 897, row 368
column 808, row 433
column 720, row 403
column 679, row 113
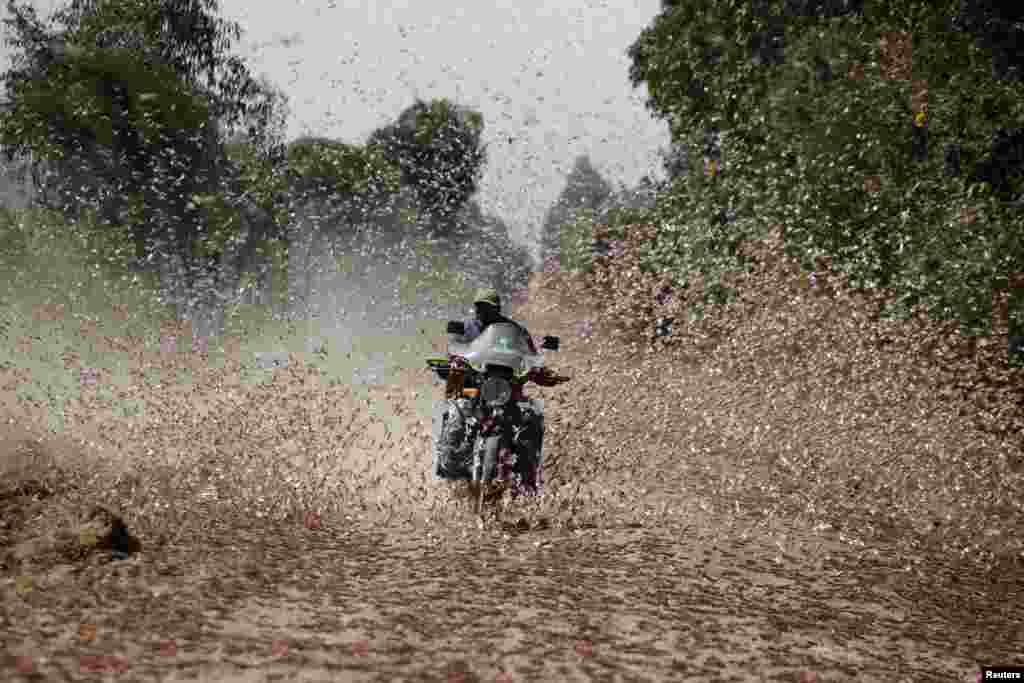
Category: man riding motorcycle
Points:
column 454, row 435
column 487, row 306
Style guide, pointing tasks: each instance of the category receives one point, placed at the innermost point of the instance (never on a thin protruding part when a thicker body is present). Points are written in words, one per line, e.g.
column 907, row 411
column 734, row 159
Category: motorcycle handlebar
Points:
column 540, row 376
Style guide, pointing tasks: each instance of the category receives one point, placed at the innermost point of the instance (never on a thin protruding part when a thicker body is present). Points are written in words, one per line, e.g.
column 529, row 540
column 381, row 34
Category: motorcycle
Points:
column 488, row 375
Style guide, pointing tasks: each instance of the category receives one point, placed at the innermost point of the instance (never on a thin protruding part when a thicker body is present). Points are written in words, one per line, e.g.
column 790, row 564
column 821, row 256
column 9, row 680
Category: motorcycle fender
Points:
column 439, row 415
column 443, row 408
column 485, row 457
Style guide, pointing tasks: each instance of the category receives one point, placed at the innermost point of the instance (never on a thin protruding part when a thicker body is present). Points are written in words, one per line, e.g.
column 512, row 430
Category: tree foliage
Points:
column 585, row 189
column 844, row 133
column 438, row 147
column 256, row 155
column 138, row 110
column 188, row 36
column 130, row 103
column 359, row 175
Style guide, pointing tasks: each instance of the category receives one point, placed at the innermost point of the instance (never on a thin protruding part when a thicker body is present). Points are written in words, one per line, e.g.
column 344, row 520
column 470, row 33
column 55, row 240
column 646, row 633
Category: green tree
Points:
column 136, row 97
column 585, row 188
column 256, row 201
column 831, row 135
column 188, row 36
column 359, row 176
column 256, row 159
column 438, row 147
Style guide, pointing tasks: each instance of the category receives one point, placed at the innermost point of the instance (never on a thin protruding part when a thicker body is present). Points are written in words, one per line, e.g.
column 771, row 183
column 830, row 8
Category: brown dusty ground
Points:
column 661, row 583
column 682, row 600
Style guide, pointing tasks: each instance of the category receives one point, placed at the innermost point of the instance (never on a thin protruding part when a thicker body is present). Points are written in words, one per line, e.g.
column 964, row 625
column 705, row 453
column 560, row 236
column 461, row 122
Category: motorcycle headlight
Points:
column 496, row 391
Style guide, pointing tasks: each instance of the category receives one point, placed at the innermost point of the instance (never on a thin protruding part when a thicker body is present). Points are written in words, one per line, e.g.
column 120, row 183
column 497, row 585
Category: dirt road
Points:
column 663, row 578
column 679, row 599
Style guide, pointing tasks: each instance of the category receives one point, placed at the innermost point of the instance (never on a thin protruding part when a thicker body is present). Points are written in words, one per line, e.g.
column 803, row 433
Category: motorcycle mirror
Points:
column 456, row 327
column 549, row 343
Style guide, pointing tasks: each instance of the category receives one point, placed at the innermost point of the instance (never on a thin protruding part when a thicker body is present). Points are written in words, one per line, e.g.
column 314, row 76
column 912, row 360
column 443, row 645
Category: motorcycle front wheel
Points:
column 486, row 467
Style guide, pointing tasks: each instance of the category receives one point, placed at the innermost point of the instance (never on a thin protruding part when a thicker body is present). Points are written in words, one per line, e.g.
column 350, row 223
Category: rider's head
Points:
column 488, row 305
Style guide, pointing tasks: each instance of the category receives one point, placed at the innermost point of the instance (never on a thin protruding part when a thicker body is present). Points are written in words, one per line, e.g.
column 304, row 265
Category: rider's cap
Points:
column 488, row 296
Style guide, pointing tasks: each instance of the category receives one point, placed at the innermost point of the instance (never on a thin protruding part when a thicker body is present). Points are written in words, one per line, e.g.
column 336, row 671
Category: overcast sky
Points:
column 550, row 79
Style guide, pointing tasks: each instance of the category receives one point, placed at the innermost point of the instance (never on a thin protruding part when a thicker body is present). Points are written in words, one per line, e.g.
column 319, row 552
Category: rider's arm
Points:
column 472, row 328
column 529, row 341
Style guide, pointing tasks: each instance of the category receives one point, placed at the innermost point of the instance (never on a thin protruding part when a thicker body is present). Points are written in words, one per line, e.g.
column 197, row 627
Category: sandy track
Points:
column 679, row 599
column 689, row 594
